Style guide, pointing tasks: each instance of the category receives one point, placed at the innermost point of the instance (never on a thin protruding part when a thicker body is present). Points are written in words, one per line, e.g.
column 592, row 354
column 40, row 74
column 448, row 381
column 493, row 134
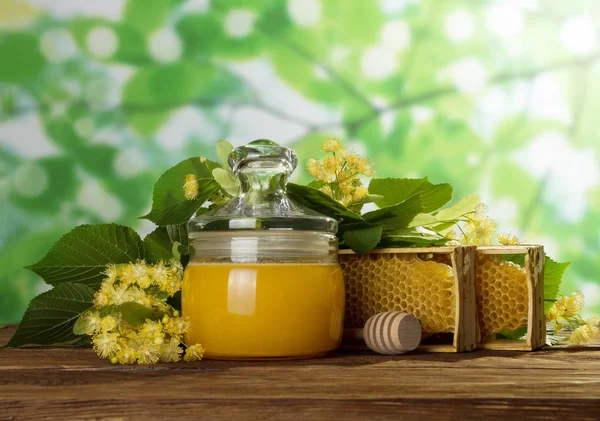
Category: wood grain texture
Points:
column 73, row 384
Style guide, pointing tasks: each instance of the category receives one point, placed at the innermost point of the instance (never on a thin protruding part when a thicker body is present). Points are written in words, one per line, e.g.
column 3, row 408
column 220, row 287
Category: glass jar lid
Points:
column 263, row 168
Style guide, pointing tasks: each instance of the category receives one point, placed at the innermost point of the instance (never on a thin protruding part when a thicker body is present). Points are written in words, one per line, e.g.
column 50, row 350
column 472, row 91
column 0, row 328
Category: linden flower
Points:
column 191, row 188
column 339, row 173
column 151, row 330
column 148, row 352
column 360, row 193
column 479, row 228
column 569, row 305
column 122, row 294
column 177, row 326
column 194, row 353
column 111, row 273
column 123, row 343
column 171, row 352
column 137, row 272
column 127, row 356
column 106, row 344
column 93, row 322
column 581, row 335
column 331, row 145
column 108, row 324
column 159, row 272
column 508, row 239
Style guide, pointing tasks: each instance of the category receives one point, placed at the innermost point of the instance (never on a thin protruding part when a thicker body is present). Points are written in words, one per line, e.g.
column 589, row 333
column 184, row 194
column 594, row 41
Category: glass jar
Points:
column 264, row 282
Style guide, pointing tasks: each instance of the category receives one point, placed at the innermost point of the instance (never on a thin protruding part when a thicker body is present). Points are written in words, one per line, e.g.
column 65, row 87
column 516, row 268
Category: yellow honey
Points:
column 377, row 283
column 502, row 295
column 262, row 311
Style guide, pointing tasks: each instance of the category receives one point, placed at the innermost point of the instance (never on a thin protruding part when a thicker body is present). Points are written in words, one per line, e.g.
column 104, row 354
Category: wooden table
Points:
column 73, row 384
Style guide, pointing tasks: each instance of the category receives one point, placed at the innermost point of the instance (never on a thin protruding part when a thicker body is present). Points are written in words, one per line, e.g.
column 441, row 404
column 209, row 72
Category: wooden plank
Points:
column 73, row 383
column 465, row 330
column 522, row 249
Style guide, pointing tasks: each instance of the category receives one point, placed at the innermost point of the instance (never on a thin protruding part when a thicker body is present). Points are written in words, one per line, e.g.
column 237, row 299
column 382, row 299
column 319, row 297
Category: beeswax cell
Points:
column 399, row 282
column 502, row 296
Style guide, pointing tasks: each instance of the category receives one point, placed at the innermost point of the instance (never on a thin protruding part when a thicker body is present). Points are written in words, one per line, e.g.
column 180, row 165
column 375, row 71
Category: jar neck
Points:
column 264, row 247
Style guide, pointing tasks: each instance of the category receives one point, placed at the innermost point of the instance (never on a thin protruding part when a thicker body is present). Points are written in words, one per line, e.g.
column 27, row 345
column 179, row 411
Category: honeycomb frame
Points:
column 534, row 280
column 460, row 259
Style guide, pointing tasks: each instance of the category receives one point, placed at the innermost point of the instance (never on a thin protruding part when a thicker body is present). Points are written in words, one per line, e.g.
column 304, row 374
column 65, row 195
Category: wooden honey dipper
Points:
column 389, row 333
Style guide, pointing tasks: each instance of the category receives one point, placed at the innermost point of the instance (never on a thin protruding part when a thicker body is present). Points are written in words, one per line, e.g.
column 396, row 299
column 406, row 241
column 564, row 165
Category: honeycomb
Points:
column 399, row 282
column 502, row 296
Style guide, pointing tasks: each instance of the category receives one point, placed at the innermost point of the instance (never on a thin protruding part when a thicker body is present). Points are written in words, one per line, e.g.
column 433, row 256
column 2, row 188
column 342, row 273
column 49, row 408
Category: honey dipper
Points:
column 389, row 333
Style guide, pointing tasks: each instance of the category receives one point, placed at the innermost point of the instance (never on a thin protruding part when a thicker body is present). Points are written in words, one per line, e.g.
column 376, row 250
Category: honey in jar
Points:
column 264, row 282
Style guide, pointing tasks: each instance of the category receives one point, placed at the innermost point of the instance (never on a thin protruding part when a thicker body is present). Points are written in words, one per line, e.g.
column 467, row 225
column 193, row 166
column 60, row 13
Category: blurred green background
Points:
column 98, row 98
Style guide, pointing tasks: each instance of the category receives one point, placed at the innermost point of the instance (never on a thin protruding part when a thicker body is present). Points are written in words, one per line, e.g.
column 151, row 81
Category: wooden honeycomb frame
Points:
column 536, row 326
column 462, row 259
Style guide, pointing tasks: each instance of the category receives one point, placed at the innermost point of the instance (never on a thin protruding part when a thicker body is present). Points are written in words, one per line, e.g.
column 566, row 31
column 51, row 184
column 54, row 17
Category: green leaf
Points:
column 22, row 59
column 224, row 148
column 227, row 181
column 50, row 317
column 519, row 333
column 364, row 238
column 169, row 205
column 83, row 254
column 159, row 243
column 419, row 237
column 553, row 275
column 395, row 190
column 80, row 327
column 147, row 15
column 321, row 203
column 397, row 216
column 459, row 209
column 136, row 314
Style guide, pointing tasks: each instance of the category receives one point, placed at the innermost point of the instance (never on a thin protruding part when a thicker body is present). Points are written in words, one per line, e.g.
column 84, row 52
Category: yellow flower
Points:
column 479, row 229
column 360, row 193
column 137, row 272
column 151, row 330
column 177, row 326
column 108, row 324
column 581, row 335
column 127, row 356
column 112, row 273
column 176, row 268
column 331, row 145
column 553, row 314
column 202, row 159
column 191, row 188
column 327, row 190
column 106, row 344
column 159, row 273
column 508, row 239
column 122, row 294
column 194, row 353
column 148, row 352
column 171, row 351
column 93, row 322
column 356, row 164
column 593, row 323
column 171, row 285
column 570, row 305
